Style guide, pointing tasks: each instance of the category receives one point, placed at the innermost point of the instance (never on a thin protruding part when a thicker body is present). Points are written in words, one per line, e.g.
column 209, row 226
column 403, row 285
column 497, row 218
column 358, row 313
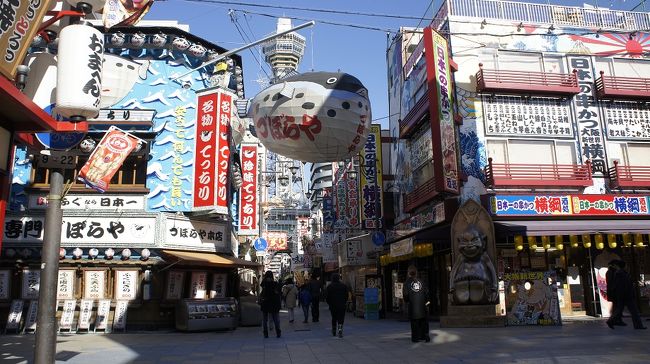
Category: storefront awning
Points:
column 196, row 258
column 571, row 227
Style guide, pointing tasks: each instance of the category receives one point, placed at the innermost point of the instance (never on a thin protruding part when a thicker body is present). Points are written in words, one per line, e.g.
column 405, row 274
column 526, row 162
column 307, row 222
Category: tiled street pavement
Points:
column 383, row 341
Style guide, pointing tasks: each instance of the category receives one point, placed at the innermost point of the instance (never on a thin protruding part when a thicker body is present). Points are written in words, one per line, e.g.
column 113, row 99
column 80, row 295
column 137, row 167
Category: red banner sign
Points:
column 277, row 240
column 223, row 157
column 205, row 171
column 107, row 158
column 248, row 203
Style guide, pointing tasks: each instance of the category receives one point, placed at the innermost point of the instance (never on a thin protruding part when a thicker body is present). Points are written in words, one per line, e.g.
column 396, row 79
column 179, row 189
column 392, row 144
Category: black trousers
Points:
column 617, row 312
column 338, row 316
column 419, row 329
column 315, row 313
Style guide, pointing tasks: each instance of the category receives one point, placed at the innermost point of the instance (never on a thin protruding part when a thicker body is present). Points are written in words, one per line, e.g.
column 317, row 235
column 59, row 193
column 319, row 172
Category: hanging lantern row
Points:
column 587, row 240
column 109, row 253
column 419, row 251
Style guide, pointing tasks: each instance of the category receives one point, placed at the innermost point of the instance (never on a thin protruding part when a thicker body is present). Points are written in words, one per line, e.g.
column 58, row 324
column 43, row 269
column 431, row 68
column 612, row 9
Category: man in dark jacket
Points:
column 270, row 301
column 415, row 295
column 612, row 267
column 315, row 288
column 624, row 296
column 336, row 295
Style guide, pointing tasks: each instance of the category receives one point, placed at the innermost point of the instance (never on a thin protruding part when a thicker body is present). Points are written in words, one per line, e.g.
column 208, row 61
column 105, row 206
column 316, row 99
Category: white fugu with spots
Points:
column 313, row 117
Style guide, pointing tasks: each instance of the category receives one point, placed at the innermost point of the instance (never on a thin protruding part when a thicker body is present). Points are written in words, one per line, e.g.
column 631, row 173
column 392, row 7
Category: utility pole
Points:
column 45, row 349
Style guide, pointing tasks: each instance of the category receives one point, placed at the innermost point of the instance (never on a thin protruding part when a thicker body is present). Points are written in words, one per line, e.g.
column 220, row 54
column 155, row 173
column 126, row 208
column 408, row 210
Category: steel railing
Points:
column 537, row 175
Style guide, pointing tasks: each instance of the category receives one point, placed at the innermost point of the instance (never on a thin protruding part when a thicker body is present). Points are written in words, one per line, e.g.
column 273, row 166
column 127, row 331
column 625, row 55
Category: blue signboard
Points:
column 378, row 238
column 260, row 244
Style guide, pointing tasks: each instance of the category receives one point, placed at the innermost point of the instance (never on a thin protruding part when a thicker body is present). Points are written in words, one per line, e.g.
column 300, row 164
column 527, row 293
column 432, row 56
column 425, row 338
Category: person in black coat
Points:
column 625, row 297
column 336, row 295
column 612, row 267
column 415, row 294
column 270, row 302
column 315, row 288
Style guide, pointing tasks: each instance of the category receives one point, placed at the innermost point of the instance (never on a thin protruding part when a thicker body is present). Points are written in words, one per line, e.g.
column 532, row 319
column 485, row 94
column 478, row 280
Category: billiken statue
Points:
column 473, row 279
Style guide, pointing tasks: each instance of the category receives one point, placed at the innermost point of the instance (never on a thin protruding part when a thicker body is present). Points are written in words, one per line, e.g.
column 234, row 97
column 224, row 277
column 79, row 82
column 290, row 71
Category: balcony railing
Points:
column 622, row 87
column 531, row 13
column 421, row 195
column 629, row 177
column 537, row 175
column 526, row 82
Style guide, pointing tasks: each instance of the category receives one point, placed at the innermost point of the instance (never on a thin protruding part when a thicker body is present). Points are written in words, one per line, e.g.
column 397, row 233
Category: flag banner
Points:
column 107, row 158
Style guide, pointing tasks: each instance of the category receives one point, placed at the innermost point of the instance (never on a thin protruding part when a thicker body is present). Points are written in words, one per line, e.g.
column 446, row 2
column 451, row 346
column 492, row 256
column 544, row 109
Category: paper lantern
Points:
column 546, row 242
column 600, row 245
column 638, row 240
column 79, row 75
column 586, row 240
column 77, row 253
column 532, row 243
column 627, row 240
column 62, row 253
column 159, row 40
column 93, row 253
column 313, row 117
column 126, row 254
column 611, row 241
column 574, row 241
column 519, row 243
column 559, row 242
column 145, row 254
column 109, row 253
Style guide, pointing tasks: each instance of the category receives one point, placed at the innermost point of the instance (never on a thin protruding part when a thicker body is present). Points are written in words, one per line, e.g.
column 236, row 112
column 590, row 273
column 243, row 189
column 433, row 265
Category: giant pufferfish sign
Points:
column 313, row 117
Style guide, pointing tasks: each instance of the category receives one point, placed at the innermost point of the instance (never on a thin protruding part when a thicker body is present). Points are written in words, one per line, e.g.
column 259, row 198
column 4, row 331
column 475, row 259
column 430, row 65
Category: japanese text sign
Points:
column 569, row 205
column 248, row 199
column 370, row 186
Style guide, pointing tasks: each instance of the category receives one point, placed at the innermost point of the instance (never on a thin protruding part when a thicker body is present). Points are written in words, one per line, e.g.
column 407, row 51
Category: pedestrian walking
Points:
column 612, row 267
column 336, row 295
column 290, row 295
column 624, row 297
column 270, row 301
column 305, row 301
column 316, row 290
column 415, row 294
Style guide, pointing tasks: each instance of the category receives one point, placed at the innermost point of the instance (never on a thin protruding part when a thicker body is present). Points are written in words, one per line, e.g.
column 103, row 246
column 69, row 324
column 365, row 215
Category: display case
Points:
column 201, row 315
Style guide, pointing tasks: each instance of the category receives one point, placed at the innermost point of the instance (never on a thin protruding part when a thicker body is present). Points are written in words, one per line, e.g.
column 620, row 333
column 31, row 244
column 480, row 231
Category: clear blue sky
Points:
column 358, row 51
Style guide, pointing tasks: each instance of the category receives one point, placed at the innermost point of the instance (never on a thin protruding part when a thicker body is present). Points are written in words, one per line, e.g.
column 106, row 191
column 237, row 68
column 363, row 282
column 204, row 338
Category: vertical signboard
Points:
column 19, row 24
column 212, row 151
column 198, row 285
column 329, row 215
column 223, row 155
column 103, row 311
column 94, row 283
column 340, row 197
column 85, row 312
column 65, row 284
column 592, row 144
column 174, row 290
column 248, row 200
column 31, row 284
column 370, row 186
column 440, row 94
column 32, row 315
column 207, row 127
column 126, row 284
column 5, row 288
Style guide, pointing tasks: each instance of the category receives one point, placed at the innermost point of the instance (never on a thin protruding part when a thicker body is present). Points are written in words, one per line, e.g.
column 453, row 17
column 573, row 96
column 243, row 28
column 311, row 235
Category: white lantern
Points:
column 145, row 254
column 109, row 253
column 159, row 40
column 62, row 253
column 197, row 50
column 41, row 79
column 137, row 39
column 180, row 43
column 79, row 76
column 77, row 253
column 126, row 254
column 93, row 253
column 313, row 117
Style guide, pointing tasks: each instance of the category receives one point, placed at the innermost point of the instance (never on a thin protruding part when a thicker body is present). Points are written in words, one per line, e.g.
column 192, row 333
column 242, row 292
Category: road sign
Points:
column 260, row 244
column 56, row 159
column 59, row 141
column 378, row 238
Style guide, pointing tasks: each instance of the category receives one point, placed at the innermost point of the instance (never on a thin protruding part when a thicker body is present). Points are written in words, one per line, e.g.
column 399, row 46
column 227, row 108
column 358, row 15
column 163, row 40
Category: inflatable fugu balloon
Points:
column 313, row 117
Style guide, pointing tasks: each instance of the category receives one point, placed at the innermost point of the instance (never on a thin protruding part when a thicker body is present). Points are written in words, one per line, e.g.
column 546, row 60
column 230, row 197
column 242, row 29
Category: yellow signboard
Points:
column 18, row 25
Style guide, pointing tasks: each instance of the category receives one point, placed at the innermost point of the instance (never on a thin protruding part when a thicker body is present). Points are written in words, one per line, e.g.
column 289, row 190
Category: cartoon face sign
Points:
column 118, row 39
column 137, row 39
column 87, row 145
column 197, row 50
column 159, row 40
column 416, row 286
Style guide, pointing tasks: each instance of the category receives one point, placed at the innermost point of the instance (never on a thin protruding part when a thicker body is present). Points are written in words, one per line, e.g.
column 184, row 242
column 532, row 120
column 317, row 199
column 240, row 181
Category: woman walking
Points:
column 305, row 301
column 290, row 294
column 270, row 301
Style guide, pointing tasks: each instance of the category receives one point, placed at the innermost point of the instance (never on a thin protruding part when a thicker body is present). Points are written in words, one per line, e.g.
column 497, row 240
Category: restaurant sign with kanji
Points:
column 91, row 202
column 86, row 230
column 569, row 205
column 201, row 235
